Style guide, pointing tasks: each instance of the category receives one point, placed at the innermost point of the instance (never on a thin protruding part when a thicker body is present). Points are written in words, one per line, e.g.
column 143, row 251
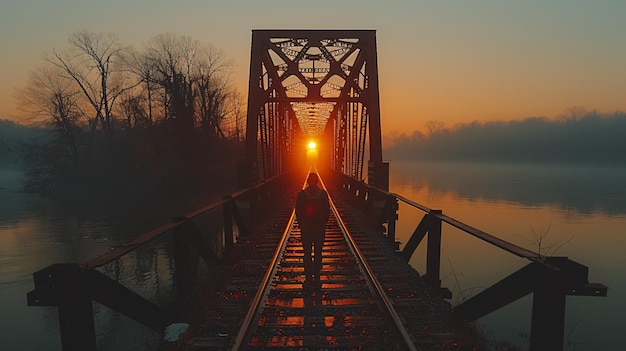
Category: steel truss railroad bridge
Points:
column 314, row 84
column 323, row 86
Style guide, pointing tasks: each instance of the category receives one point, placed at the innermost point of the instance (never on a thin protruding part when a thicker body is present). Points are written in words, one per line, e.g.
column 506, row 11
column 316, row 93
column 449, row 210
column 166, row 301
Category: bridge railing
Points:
column 550, row 279
column 73, row 287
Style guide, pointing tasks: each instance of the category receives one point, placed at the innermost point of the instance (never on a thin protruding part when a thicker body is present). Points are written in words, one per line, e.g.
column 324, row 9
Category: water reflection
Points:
column 149, row 273
column 36, row 232
column 582, row 210
column 582, row 189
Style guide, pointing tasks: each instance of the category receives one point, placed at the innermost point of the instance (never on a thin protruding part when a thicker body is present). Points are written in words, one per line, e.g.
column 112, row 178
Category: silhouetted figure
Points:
column 312, row 211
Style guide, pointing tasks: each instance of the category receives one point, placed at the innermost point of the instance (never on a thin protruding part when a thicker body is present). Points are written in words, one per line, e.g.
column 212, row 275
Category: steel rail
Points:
column 264, row 288
column 369, row 274
column 376, row 288
column 263, row 291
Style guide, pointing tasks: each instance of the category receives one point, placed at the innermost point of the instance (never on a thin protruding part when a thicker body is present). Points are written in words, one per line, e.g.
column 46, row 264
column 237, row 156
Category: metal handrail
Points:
column 152, row 234
column 502, row 244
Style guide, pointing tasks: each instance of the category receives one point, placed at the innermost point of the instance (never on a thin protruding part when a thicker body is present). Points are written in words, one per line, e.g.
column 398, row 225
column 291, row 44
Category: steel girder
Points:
column 319, row 84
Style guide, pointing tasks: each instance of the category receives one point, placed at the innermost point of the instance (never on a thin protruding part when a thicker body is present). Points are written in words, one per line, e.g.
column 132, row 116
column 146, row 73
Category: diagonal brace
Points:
column 420, row 232
column 502, row 293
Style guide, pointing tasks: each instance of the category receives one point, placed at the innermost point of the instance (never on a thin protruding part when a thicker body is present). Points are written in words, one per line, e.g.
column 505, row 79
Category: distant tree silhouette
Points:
column 434, row 127
column 52, row 101
column 585, row 137
column 160, row 116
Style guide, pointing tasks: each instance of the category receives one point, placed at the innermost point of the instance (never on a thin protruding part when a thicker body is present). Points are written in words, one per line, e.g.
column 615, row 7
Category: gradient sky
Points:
column 452, row 61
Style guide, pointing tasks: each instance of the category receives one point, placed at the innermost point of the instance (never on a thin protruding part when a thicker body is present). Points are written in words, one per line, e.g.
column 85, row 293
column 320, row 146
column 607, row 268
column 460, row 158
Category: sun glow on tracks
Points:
column 312, row 145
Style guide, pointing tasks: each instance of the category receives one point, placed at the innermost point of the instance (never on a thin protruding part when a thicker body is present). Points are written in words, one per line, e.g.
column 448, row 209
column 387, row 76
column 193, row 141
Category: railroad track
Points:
column 350, row 311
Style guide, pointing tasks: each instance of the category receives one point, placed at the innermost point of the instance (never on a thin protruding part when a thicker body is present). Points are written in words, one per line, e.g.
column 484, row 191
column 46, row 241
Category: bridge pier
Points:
column 548, row 312
column 186, row 260
column 390, row 216
column 433, row 251
column 75, row 309
column 72, row 289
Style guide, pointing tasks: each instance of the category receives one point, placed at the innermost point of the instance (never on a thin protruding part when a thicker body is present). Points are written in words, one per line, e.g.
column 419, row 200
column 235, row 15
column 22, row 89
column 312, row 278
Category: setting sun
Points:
column 311, row 153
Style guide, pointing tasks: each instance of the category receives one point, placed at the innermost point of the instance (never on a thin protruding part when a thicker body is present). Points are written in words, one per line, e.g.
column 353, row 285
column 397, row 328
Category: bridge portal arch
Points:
column 317, row 85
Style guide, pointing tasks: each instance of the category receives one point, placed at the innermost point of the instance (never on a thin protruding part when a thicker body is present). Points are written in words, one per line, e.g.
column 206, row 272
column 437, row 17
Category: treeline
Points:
column 160, row 117
column 588, row 138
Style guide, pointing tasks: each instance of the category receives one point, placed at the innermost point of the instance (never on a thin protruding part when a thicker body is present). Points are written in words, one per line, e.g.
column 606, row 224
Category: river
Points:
column 572, row 211
column 578, row 212
column 36, row 232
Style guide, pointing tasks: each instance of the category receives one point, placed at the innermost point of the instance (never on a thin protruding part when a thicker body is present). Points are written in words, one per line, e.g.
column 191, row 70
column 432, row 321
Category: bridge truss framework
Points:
column 314, row 84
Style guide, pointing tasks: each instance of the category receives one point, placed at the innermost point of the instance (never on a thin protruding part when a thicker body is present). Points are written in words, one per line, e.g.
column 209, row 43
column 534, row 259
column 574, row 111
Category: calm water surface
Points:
column 571, row 211
column 35, row 233
column 577, row 212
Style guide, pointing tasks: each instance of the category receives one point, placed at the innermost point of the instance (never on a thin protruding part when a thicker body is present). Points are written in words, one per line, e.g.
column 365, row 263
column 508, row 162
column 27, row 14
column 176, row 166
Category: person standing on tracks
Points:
column 312, row 212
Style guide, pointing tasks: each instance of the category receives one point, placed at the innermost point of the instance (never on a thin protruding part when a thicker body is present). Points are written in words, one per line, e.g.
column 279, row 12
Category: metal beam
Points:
column 283, row 61
column 502, row 293
column 420, row 232
column 119, row 298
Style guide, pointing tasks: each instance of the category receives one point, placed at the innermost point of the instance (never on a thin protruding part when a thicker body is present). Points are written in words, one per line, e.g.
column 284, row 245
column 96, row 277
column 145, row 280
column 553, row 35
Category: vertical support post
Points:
column 360, row 197
column 76, row 324
column 243, row 227
column 433, row 253
column 548, row 313
column 373, row 109
column 382, row 176
column 228, row 222
column 392, row 217
column 186, row 259
column 255, row 102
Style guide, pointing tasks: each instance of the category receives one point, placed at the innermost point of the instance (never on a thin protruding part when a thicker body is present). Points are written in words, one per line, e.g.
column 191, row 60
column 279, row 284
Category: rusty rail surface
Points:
column 388, row 327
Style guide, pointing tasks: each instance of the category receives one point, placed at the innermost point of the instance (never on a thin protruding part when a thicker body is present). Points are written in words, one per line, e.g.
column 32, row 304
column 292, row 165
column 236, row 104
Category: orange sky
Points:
column 450, row 61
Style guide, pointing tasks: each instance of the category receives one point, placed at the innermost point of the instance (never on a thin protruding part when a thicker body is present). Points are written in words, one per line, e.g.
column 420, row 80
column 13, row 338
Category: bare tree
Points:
column 132, row 109
column 236, row 121
column 194, row 78
column 94, row 64
column 211, row 81
column 139, row 63
column 51, row 99
column 173, row 60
